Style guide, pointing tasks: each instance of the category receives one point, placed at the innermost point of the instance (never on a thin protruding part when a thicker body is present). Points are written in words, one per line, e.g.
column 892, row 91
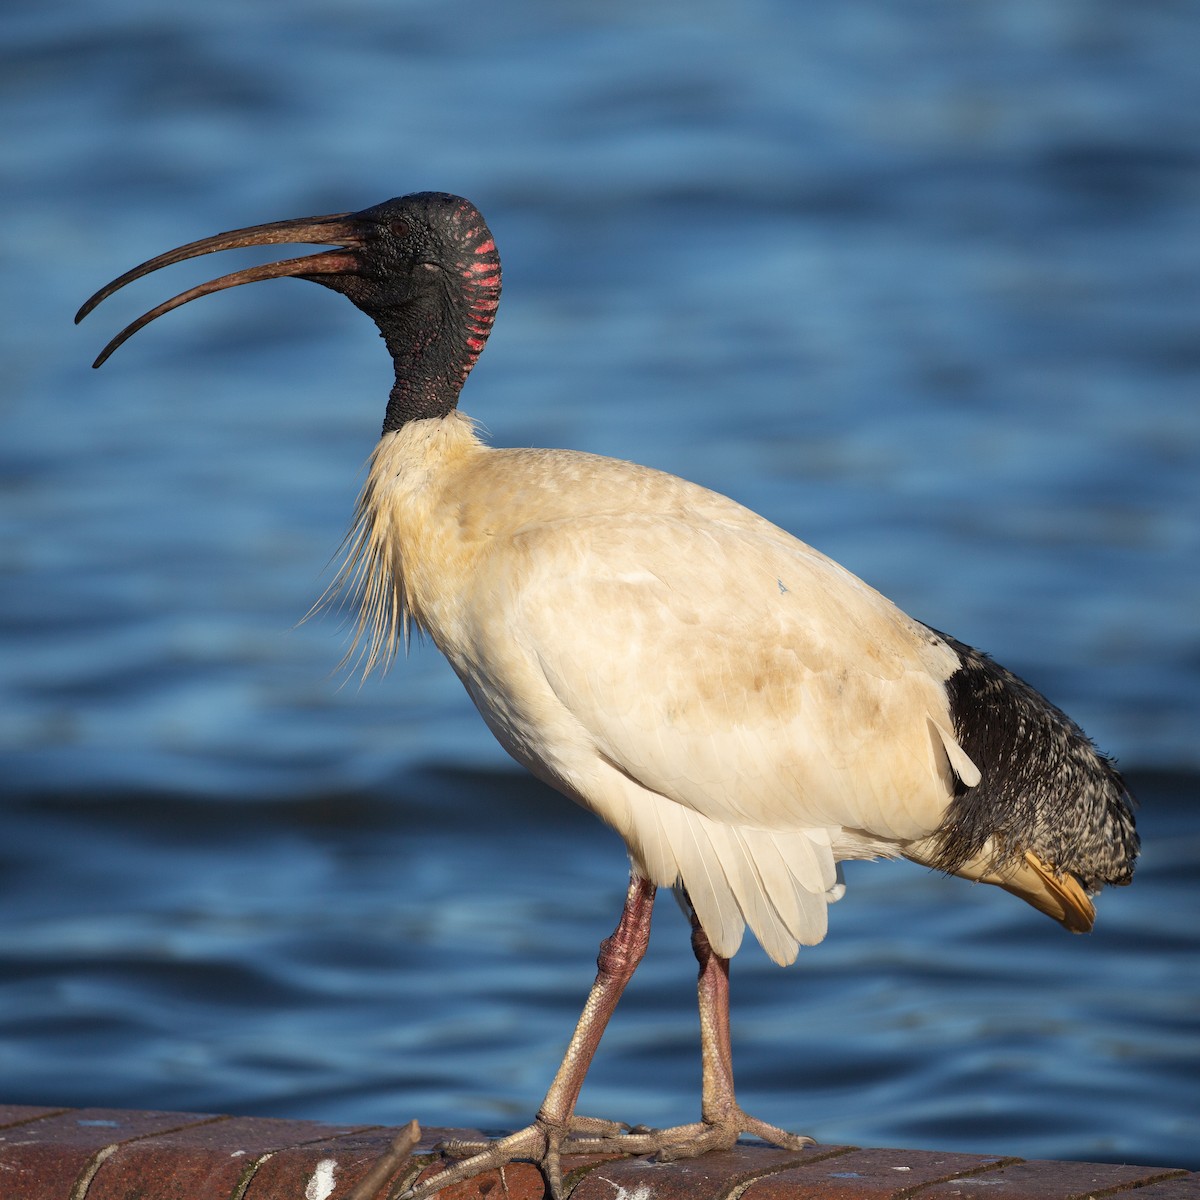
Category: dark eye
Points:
column 401, row 228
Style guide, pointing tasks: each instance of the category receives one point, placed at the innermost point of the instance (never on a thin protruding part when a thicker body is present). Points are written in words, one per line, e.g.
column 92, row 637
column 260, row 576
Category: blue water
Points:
column 921, row 282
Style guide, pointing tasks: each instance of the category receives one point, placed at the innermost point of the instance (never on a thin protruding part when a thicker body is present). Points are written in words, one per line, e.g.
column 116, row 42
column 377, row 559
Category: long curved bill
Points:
column 337, row 229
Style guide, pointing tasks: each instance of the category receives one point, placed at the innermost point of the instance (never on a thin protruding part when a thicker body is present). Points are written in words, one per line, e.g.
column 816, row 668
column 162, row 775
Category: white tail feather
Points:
column 708, row 887
column 797, row 874
column 778, row 883
column 748, row 893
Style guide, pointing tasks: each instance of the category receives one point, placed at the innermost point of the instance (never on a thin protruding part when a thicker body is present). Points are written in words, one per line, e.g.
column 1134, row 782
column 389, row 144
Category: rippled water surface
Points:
column 919, row 282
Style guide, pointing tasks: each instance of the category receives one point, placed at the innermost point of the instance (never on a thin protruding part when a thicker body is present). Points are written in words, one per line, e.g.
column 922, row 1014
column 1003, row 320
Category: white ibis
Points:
column 742, row 710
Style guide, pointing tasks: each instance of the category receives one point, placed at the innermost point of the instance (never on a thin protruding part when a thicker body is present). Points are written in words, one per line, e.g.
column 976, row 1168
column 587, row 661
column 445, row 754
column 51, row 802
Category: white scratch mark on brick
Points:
column 320, row 1186
column 641, row 1192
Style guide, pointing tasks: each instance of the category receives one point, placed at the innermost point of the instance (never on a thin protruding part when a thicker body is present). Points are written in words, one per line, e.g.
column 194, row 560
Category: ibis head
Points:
column 423, row 267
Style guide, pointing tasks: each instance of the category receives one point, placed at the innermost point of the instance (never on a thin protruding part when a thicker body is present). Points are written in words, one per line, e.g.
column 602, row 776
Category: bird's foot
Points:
column 545, row 1143
column 689, row 1141
column 579, row 1129
column 542, row 1143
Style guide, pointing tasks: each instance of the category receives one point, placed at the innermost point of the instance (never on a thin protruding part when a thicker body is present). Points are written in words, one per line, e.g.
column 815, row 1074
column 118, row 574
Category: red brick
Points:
column 43, row 1159
column 1182, row 1187
column 19, row 1114
column 710, row 1175
column 868, row 1174
column 341, row 1160
column 49, row 1154
column 201, row 1162
column 1043, row 1180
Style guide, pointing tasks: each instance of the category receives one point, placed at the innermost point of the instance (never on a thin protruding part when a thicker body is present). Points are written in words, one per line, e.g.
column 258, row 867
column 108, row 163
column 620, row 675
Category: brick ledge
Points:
column 115, row 1154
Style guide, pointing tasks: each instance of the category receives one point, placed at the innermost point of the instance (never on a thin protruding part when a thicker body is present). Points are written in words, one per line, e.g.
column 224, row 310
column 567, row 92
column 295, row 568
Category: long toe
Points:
column 724, row 1136
column 541, row 1143
column 534, row 1143
column 583, row 1127
column 773, row 1135
column 580, row 1130
column 689, row 1141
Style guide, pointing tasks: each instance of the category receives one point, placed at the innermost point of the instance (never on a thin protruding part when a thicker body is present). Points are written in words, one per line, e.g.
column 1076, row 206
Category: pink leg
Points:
column 615, row 964
column 722, row 1118
column 542, row 1142
column 716, row 1053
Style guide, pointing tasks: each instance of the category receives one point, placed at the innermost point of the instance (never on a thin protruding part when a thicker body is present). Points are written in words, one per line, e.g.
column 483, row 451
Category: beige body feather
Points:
column 765, row 732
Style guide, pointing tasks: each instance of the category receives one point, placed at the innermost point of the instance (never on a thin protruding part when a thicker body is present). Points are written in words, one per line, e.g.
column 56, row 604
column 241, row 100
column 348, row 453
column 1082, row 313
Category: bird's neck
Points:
column 429, row 352
column 408, row 555
column 436, row 339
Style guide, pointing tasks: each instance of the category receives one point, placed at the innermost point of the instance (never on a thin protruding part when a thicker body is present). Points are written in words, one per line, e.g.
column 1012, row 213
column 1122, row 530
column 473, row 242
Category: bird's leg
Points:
column 722, row 1118
column 546, row 1139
